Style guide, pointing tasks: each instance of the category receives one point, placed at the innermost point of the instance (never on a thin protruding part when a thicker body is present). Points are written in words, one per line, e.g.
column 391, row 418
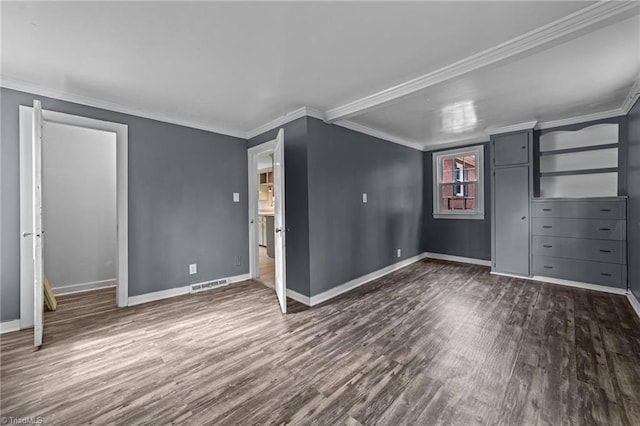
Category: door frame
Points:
column 122, row 203
column 252, row 157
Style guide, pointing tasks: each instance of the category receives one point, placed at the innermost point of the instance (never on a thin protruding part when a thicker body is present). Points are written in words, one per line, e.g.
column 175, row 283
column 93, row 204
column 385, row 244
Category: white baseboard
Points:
column 305, row 300
column 9, row 326
column 568, row 283
column 82, row 287
column 635, row 304
column 179, row 291
column 460, row 259
column 357, row 282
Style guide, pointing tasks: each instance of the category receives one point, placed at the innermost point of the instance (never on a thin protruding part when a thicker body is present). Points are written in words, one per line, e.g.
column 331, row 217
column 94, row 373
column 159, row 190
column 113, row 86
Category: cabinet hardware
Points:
column 546, row 210
column 605, row 229
column 605, row 251
column 605, row 274
column 523, row 217
column 548, row 267
column 605, row 210
column 546, row 246
column 547, row 226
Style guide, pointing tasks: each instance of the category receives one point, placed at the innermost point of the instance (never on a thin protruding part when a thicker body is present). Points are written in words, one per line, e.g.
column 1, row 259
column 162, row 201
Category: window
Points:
column 458, row 178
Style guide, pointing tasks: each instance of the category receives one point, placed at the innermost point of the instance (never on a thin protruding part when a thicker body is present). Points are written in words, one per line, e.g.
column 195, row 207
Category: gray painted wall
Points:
column 457, row 237
column 347, row 237
column 296, row 201
column 79, row 205
column 633, row 190
column 181, row 182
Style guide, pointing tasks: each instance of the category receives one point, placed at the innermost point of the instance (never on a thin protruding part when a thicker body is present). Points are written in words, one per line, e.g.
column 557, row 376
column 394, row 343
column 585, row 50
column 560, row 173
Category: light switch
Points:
column 236, row 197
column 364, row 197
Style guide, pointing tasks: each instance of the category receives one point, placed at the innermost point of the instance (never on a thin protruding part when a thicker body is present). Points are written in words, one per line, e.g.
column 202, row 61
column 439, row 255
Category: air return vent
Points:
column 196, row 288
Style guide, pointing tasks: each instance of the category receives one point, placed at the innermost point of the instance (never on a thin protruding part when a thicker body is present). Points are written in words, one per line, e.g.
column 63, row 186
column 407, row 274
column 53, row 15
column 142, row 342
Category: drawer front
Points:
column 581, row 249
column 579, row 210
column 580, row 228
column 511, row 149
column 599, row 273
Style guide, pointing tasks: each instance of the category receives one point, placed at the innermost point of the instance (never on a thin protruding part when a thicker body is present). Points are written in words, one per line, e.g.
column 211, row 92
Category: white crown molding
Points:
column 553, row 31
column 110, row 106
column 512, row 128
column 284, row 119
column 632, row 97
column 379, row 134
column 456, row 142
column 580, row 119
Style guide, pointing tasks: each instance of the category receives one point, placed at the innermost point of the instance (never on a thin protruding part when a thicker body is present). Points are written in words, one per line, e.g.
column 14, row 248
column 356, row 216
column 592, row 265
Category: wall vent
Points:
column 197, row 288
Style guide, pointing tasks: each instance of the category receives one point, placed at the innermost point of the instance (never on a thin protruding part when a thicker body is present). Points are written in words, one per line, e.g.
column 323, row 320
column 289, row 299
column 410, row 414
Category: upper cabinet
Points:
column 580, row 163
column 511, row 149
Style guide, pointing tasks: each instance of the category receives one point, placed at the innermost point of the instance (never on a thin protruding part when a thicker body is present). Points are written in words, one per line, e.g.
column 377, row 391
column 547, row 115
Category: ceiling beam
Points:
column 563, row 27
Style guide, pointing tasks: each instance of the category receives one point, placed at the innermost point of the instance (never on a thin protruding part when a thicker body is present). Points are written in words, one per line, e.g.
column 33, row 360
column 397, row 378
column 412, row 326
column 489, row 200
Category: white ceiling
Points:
column 232, row 67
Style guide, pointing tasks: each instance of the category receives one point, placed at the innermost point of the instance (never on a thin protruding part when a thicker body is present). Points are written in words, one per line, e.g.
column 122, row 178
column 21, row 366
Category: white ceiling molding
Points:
column 632, row 97
column 560, row 28
column 512, row 128
column 282, row 120
column 580, row 119
column 378, row 134
column 96, row 103
column 455, row 143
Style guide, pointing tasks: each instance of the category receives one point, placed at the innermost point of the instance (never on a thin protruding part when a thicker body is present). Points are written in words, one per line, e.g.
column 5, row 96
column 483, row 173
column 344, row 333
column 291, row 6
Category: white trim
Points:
column 379, row 134
column 460, row 259
column 62, row 95
column 83, row 287
column 305, row 300
column 122, row 200
column 635, row 304
column 252, row 161
column 512, row 128
column 9, row 326
column 357, row 282
column 555, row 30
column 456, row 143
column 567, row 283
column 580, row 119
column 632, row 97
column 284, row 119
column 180, row 291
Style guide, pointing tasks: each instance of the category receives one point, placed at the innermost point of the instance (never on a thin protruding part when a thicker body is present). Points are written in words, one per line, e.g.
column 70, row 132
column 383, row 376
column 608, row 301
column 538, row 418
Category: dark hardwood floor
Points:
column 433, row 343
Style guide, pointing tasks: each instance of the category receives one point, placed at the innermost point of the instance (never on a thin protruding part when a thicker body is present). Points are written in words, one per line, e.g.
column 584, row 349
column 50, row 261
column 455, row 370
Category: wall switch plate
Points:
column 193, row 268
column 237, row 261
column 236, row 197
column 399, row 252
column 364, row 197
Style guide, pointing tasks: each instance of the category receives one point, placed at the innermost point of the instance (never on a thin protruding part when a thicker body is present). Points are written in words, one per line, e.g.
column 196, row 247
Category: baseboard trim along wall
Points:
column 350, row 285
column 460, row 259
column 576, row 284
column 78, row 288
column 9, row 326
column 179, row 291
column 635, row 304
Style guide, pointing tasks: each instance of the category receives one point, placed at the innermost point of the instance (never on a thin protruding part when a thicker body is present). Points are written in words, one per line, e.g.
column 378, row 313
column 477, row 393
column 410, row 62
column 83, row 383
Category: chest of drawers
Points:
column 581, row 240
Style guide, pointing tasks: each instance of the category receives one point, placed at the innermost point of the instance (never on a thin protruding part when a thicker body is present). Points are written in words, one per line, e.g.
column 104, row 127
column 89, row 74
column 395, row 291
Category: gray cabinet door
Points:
column 511, row 224
column 511, row 149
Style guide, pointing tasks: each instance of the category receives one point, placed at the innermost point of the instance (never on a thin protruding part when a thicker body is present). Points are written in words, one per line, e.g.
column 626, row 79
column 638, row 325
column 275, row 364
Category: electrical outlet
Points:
column 364, row 197
column 193, row 268
column 399, row 252
column 236, row 197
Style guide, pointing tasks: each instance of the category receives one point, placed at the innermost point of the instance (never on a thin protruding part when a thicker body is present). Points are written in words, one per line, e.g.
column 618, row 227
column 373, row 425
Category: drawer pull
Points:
column 605, row 251
column 546, row 210
column 546, row 246
column 605, row 274
column 548, row 267
column 605, row 210
column 547, row 226
column 605, row 229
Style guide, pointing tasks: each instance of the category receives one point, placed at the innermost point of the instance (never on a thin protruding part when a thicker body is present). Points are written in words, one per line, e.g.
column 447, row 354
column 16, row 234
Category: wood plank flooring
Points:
column 433, row 343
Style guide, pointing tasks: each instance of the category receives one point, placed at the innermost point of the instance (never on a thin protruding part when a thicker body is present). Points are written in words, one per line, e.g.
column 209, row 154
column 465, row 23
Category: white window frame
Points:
column 438, row 158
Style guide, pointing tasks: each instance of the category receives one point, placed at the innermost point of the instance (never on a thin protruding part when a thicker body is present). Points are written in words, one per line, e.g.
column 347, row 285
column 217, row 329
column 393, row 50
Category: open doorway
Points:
column 73, row 185
column 267, row 230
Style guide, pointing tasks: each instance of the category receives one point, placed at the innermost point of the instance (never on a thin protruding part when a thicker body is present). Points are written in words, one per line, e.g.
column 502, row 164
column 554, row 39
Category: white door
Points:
column 38, row 235
column 279, row 225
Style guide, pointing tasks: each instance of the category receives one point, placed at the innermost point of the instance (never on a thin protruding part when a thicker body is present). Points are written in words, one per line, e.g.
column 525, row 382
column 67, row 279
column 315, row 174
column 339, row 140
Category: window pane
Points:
column 448, row 170
column 458, row 196
column 470, row 168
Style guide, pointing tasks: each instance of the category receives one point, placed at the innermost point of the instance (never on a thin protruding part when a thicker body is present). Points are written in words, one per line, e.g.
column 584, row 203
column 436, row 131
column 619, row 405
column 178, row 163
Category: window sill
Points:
column 476, row 216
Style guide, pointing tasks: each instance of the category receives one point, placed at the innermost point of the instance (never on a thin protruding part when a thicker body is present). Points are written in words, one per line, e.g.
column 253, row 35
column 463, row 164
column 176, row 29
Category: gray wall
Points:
column 181, row 182
column 633, row 190
column 296, row 201
column 79, row 205
column 457, row 237
column 349, row 238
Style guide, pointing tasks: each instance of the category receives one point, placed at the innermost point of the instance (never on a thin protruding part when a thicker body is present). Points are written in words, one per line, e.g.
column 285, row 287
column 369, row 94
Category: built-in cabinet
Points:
column 511, row 184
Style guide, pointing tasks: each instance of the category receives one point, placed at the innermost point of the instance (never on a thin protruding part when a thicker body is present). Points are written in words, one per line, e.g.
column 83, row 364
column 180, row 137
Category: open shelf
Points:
column 579, row 149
